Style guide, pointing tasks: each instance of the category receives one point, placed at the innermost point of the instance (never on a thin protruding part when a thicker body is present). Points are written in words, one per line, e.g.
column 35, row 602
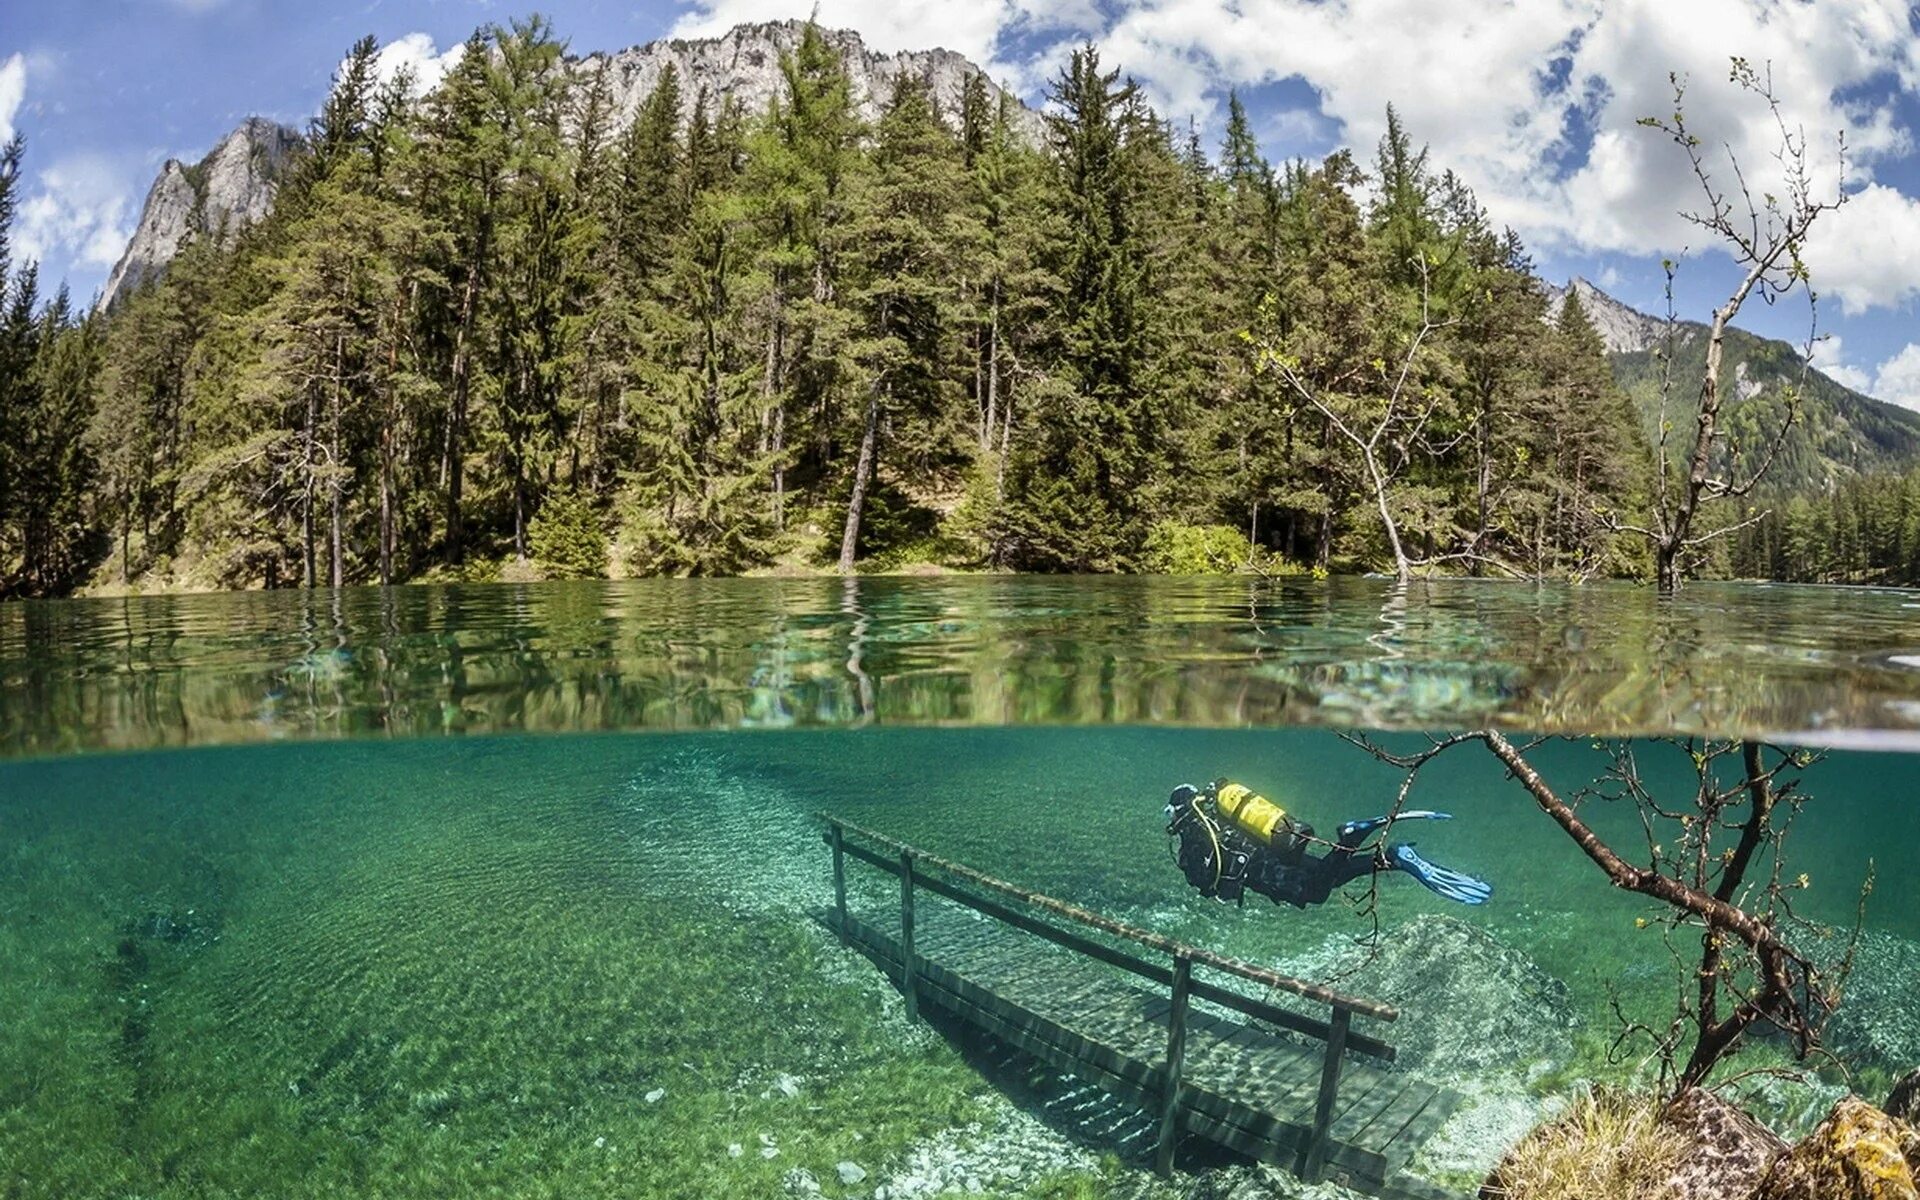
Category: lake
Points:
column 517, row 889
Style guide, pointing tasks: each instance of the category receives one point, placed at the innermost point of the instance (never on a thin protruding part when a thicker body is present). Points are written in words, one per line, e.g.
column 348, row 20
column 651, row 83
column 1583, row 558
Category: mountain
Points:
column 743, row 65
column 233, row 185
column 1841, row 432
column 229, row 189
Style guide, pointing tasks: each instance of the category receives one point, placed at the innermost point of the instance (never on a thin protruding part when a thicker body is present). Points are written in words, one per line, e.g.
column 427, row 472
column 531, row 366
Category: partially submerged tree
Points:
column 1764, row 237
column 1716, row 863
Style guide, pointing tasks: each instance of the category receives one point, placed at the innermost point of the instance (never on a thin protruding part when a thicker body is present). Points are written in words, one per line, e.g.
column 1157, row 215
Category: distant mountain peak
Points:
column 1623, row 329
column 743, row 65
column 233, row 186
column 229, row 189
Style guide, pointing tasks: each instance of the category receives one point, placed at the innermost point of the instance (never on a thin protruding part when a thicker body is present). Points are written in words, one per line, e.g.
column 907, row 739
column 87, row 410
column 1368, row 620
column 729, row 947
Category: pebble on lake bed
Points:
column 851, row 1173
column 656, row 1095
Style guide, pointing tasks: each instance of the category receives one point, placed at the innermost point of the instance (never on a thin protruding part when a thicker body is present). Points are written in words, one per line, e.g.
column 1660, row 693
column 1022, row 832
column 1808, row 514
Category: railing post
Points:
column 840, row 882
column 1176, row 1052
column 1316, row 1158
column 907, row 967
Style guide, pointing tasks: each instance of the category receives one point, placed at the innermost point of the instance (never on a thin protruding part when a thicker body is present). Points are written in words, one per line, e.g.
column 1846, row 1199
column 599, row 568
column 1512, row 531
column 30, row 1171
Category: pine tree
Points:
column 900, row 241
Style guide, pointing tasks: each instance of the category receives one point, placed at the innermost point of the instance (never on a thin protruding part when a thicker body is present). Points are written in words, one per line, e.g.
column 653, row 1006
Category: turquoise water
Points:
column 577, row 962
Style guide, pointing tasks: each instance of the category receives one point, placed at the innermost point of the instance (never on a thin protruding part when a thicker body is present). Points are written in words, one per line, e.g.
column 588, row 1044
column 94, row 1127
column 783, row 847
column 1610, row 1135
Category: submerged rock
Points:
column 1469, row 1003
column 1903, row 1102
column 1262, row 1181
column 850, row 1172
column 1857, row 1153
column 1728, row 1152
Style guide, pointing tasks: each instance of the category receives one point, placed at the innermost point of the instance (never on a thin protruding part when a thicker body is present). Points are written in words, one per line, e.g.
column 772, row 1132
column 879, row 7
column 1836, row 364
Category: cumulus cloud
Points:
column 76, row 212
column 13, row 92
column 1536, row 105
column 1830, row 356
column 416, row 54
column 1898, row 379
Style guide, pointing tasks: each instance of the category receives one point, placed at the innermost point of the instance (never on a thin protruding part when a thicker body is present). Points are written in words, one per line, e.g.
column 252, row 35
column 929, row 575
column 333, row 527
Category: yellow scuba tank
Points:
column 1257, row 816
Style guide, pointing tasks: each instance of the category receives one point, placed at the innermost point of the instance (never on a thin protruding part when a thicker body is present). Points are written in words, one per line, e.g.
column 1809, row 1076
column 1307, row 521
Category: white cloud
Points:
column 77, row 212
column 416, row 54
column 1505, row 93
column 1898, row 379
column 1868, row 253
column 13, row 92
column 1830, row 356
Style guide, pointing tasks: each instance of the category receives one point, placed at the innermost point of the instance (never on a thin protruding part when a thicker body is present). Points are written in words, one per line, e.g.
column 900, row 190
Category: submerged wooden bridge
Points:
column 1311, row 1095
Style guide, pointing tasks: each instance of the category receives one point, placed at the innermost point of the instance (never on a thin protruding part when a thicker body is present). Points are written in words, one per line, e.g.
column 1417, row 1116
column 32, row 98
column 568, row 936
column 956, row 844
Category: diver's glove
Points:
column 1441, row 881
column 1357, row 829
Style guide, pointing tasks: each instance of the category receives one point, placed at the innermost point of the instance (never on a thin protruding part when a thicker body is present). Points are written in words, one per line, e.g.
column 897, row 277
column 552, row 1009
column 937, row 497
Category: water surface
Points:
column 1810, row 663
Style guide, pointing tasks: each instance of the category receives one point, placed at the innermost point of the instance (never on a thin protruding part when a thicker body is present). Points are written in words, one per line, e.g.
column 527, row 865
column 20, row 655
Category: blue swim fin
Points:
column 1361, row 828
column 1441, row 881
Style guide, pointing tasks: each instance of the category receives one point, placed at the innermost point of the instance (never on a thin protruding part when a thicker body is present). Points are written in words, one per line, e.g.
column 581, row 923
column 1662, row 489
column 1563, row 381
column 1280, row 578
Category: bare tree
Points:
column 1764, row 237
column 1717, row 863
column 1385, row 429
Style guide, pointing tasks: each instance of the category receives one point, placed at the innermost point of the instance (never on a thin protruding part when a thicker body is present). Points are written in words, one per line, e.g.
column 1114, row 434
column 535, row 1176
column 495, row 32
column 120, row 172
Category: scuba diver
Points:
column 1232, row 839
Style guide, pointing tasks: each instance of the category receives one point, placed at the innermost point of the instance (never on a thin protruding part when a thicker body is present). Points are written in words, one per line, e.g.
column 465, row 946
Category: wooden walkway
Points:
column 1315, row 1097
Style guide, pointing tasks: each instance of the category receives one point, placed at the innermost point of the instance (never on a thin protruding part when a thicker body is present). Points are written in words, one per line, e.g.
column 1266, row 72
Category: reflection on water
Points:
column 1824, row 664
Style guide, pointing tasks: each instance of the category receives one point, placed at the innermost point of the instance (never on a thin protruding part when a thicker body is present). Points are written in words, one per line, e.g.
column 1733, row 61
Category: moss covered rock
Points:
column 1857, row 1153
column 1903, row 1102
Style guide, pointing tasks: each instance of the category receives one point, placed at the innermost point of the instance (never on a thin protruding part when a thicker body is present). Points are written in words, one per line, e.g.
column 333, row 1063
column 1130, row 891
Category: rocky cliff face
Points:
column 744, row 65
column 234, row 185
column 1624, row 330
column 229, row 189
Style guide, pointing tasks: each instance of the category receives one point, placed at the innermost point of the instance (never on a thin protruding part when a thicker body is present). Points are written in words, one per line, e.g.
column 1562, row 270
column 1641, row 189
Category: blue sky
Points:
column 1534, row 103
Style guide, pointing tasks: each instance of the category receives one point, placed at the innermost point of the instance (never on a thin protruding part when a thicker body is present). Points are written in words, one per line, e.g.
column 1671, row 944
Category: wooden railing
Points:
column 909, row 863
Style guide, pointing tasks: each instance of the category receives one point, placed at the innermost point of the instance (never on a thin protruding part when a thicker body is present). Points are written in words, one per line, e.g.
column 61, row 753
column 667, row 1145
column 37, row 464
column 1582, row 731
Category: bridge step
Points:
column 1248, row 1087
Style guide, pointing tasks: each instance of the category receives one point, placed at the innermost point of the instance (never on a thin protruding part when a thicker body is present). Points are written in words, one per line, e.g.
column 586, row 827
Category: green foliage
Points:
column 707, row 325
column 567, row 539
column 1176, row 549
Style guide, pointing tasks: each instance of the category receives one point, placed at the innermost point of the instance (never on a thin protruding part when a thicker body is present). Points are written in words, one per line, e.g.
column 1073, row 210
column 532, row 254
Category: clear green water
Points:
column 427, row 966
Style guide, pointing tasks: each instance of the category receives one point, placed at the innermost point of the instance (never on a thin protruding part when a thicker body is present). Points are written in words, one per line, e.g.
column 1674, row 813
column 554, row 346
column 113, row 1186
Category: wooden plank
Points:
column 1419, row 1129
column 1379, row 1132
column 1316, row 1159
column 1176, row 1048
column 840, row 881
column 1241, row 1051
column 1288, row 1019
column 1119, row 929
column 1020, row 920
column 908, row 985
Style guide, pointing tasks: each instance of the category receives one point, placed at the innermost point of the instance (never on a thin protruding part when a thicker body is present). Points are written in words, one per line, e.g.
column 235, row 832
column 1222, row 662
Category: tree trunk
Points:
column 774, row 413
column 334, row 537
column 462, row 375
column 308, row 575
column 862, row 475
column 993, row 370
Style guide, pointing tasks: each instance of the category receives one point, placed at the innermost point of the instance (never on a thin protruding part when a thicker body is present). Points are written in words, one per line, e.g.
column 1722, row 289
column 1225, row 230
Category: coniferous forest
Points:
column 491, row 332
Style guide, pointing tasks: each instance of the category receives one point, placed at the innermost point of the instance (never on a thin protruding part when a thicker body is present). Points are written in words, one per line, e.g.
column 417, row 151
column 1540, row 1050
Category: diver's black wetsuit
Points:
column 1221, row 861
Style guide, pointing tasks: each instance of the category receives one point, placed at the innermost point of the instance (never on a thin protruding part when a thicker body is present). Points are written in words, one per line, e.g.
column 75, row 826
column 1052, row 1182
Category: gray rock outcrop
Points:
column 1624, row 330
column 223, row 193
column 234, row 185
column 743, row 65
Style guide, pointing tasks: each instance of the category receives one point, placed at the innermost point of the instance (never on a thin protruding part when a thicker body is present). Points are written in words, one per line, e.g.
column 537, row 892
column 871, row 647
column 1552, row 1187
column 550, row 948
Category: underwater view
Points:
column 272, row 930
